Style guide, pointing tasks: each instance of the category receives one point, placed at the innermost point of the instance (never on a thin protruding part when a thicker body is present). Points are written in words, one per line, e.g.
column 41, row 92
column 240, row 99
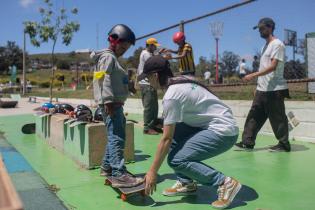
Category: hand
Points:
column 248, row 77
column 167, row 56
column 150, row 182
column 109, row 109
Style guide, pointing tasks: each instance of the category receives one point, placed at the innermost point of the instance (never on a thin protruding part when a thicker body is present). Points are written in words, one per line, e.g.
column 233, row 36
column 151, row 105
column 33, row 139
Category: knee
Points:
column 175, row 163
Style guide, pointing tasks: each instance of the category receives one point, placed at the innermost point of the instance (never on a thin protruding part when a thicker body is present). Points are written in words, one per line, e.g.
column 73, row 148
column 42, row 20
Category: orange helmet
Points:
column 178, row 37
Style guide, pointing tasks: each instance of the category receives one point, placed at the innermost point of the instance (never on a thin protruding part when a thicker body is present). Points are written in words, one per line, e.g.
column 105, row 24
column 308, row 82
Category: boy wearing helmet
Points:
column 184, row 54
column 197, row 126
column 110, row 85
column 148, row 93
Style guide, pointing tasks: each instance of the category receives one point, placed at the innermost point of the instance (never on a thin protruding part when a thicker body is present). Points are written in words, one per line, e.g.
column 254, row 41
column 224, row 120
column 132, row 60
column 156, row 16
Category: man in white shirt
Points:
column 197, row 126
column 207, row 76
column 148, row 93
column 242, row 68
column 271, row 91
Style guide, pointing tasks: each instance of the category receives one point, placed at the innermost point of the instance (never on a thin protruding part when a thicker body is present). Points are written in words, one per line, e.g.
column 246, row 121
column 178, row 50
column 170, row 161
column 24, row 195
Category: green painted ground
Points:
column 271, row 181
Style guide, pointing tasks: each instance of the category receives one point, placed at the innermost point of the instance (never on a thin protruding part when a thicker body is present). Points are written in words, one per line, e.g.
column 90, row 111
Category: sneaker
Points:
column 243, row 146
column 226, row 193
column 280, row 147
column 105, row 172
column 150, row 132
column 180, row 189
column 126, row 180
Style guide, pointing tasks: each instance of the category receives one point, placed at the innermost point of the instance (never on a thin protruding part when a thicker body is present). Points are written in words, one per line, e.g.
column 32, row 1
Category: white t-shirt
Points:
column 197, row 107
column 242, row 68
column 144, row 56
column 207, row 75
column 274, row 80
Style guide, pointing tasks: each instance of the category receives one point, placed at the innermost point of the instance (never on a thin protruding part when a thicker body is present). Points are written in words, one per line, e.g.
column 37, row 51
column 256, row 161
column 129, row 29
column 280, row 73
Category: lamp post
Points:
column 216, row 30
column 24, row 62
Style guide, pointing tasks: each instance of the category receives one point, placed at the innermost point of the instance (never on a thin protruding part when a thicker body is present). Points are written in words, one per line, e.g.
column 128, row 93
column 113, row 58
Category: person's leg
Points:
column 148, row 101
column 279, row 121
column 256, row 118
column 116, row 141
column 155, row 108
column 182, row 133
column 186, row 158
column 116, row 136
column 105, row 165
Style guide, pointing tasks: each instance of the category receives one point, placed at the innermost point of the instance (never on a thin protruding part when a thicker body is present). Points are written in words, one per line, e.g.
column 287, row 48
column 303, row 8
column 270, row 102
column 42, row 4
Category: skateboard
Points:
column 125, row 192
column 29, row 128
column 292, row 121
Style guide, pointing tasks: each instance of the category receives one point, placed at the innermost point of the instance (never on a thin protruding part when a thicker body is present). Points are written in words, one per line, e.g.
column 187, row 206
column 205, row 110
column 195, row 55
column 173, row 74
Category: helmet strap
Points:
column 113, row 43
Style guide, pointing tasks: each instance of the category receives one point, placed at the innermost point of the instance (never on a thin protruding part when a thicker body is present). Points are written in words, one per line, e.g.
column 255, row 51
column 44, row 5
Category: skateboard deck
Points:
column 292, row 121
column 29, row 128
column 125, row 192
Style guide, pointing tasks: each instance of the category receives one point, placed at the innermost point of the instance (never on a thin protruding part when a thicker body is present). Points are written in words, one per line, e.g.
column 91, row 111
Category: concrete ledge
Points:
column 84, row 143
column 304, row 111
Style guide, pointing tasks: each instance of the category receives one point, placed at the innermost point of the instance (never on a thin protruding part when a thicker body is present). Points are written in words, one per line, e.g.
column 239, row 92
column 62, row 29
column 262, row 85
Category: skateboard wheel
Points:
column 123, row 197
column 107, row 182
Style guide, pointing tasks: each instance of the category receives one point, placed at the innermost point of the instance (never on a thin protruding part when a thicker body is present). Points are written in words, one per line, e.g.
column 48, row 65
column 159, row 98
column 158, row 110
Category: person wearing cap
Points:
column 184, row 53
column 197, row 126
column 270, row 93
column 148, row 93
column 110, row 84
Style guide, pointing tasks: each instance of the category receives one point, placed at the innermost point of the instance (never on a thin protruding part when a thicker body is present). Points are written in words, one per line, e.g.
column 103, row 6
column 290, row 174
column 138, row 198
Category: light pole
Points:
column 216, row 30
column 24, row 62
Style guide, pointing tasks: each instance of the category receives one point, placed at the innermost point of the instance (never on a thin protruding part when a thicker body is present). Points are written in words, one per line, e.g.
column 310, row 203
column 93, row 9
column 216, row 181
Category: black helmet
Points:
column 63, row 108
column 98, row 114
column 83, row 113
column 122, row 32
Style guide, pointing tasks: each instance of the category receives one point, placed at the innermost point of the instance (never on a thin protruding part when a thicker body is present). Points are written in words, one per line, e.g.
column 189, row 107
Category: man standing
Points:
column 242, row 68
column 271, row 90
column 184, row 54
column 148, row 93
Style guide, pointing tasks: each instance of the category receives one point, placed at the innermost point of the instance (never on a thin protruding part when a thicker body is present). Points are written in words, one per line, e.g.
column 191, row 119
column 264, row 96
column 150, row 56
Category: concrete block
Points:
column 56, row 128
column 85, row 143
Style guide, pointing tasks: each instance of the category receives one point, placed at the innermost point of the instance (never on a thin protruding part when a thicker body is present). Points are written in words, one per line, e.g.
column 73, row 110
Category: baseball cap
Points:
column 152, row 41
column 156, row 64
column 265, row 22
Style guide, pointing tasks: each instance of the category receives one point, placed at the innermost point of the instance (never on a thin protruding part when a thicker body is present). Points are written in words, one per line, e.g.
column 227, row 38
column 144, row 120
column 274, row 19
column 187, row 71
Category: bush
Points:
column 4, row 81
column 44, row 84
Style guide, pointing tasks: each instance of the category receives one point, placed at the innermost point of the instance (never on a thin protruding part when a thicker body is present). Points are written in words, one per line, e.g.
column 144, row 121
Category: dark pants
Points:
column 151, row 106
column 267, row 105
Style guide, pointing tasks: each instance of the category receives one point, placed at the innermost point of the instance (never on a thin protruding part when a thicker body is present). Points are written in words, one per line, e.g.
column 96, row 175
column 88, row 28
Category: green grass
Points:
column 298, row 91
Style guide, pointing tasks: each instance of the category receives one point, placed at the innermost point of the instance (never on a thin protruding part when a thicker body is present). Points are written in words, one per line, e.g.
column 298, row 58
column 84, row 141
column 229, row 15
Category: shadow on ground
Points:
column 206, row 195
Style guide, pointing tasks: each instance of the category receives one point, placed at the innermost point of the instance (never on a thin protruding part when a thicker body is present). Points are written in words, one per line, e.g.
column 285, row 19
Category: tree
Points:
column 229, row 62
column 53, row 24
column 202, row 66
column 11, row 54
column 133, row 61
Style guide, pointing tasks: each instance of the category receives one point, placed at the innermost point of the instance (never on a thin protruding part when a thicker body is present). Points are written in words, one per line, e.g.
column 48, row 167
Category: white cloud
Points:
column 26, row 3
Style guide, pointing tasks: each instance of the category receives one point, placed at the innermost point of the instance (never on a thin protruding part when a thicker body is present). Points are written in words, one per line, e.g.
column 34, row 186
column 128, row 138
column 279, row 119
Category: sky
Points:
column 145, row 16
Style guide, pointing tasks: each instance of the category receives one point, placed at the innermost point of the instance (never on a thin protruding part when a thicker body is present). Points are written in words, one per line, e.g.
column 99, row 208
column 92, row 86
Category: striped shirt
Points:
column 186, row 64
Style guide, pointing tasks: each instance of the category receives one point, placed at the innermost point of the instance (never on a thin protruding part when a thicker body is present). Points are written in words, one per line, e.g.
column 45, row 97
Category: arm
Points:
column 181, row 55
column 271, row 68
column 162, row 150
column 106, row 65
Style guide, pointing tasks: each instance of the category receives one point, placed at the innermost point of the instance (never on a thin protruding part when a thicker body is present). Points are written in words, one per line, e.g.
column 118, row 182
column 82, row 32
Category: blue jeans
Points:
column 116, row 135
column 192, row 145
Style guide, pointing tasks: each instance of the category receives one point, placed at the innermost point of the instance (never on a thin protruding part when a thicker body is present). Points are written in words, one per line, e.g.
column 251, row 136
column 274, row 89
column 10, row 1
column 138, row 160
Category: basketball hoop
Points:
column 216, row 29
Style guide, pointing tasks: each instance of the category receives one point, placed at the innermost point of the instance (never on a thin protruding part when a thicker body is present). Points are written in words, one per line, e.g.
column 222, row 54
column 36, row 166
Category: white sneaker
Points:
column 181, row 189
column 226, row 193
